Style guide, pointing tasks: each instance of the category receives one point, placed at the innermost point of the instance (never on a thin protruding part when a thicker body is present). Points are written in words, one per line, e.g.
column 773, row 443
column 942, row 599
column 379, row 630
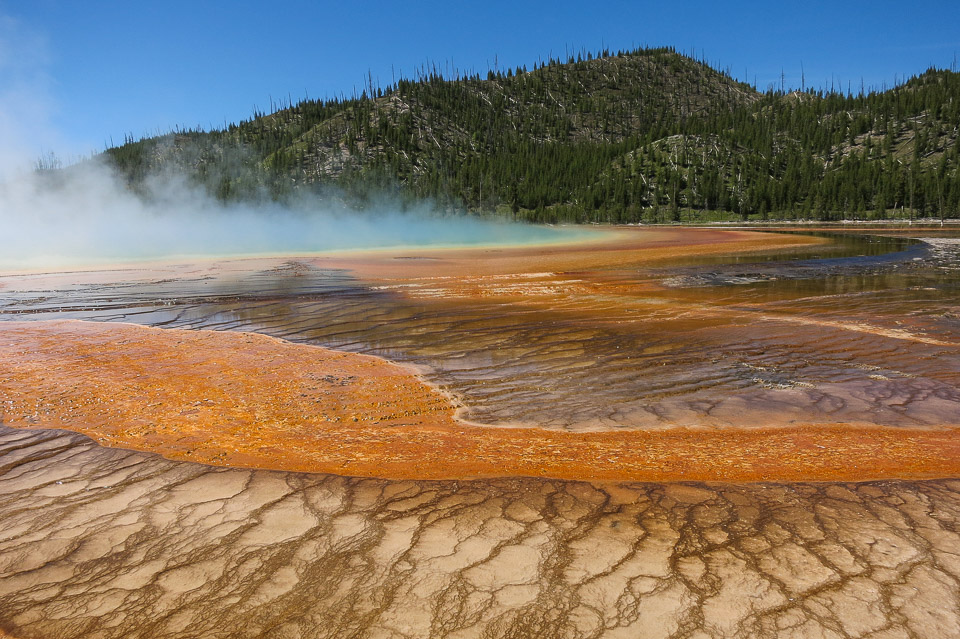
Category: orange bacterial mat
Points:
column 247, row 400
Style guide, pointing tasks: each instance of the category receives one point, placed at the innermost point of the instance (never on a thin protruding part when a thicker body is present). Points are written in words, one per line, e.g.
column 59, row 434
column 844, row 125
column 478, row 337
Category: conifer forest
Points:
column 649, row 136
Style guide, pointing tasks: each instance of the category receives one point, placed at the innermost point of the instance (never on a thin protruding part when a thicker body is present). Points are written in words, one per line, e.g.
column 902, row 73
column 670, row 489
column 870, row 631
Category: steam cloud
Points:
column 86, row 215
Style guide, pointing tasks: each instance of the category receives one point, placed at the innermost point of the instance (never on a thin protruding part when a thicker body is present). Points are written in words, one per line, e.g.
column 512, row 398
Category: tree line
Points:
column 644, row 135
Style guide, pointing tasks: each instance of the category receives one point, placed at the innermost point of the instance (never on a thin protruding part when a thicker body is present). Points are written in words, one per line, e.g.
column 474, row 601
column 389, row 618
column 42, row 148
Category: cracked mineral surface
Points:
column 99, row 542
column 656, row 334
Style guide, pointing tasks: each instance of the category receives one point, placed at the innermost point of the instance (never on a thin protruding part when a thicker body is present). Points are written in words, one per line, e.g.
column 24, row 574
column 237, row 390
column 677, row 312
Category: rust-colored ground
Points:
column 621, row 247
column 240, row 399
column 457, row 267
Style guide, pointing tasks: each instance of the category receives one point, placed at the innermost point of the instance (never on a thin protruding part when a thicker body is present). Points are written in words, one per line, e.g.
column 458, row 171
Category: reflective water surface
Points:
column 109, row 543
column 811, row 339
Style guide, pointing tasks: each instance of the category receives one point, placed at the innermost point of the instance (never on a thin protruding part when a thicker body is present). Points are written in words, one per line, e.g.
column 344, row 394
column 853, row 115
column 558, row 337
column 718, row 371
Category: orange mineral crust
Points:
column 241, row 399
column 603, row 247
column 620, row 247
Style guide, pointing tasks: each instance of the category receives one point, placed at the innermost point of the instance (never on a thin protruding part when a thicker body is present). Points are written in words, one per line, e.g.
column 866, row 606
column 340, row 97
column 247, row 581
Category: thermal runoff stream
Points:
column 398, row 442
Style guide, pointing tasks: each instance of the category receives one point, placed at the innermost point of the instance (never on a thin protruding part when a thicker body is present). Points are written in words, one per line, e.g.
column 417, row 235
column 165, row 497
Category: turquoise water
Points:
column 114, row 239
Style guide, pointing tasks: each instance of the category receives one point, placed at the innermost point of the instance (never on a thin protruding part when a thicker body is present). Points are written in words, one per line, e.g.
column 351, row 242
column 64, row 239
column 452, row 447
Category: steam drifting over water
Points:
column 86, row 215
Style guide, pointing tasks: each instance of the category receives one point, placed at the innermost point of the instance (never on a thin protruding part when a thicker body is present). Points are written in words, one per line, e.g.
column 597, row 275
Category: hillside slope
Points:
column 642, row 135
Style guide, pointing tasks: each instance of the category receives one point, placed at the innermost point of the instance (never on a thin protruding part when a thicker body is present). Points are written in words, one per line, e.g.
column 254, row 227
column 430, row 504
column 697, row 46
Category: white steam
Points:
column 87, row 215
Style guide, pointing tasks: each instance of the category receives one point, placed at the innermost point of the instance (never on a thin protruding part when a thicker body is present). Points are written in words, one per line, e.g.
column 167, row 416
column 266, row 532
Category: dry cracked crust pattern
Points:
column 98, row 542
column 105, row 543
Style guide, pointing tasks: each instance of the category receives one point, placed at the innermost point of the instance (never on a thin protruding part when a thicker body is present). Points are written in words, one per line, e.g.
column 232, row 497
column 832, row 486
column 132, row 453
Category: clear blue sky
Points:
column 101, row 70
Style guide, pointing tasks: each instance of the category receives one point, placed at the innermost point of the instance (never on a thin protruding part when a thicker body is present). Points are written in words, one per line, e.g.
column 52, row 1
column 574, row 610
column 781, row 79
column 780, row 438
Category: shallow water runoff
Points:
column 657, row 330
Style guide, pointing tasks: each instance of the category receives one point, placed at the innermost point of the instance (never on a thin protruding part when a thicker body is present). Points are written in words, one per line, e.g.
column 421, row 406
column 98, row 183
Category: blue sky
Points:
column 76, row 75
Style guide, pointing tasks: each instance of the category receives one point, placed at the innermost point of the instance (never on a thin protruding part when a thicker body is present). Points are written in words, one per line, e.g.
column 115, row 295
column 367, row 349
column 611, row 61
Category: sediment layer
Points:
column 247, row 400
column 621, row 248
column 110, row 543
column 105, row 542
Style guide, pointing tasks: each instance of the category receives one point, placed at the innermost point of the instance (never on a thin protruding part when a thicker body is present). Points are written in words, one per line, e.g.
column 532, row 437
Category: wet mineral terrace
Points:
column 243, row 399
column 656, row 332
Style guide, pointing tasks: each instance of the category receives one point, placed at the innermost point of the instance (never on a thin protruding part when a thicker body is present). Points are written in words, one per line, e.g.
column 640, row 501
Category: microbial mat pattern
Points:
column 242, row 399
column 700, row 338
column 111, row 543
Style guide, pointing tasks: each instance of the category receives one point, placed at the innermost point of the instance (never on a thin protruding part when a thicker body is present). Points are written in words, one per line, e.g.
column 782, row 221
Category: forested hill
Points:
column 647, row 135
